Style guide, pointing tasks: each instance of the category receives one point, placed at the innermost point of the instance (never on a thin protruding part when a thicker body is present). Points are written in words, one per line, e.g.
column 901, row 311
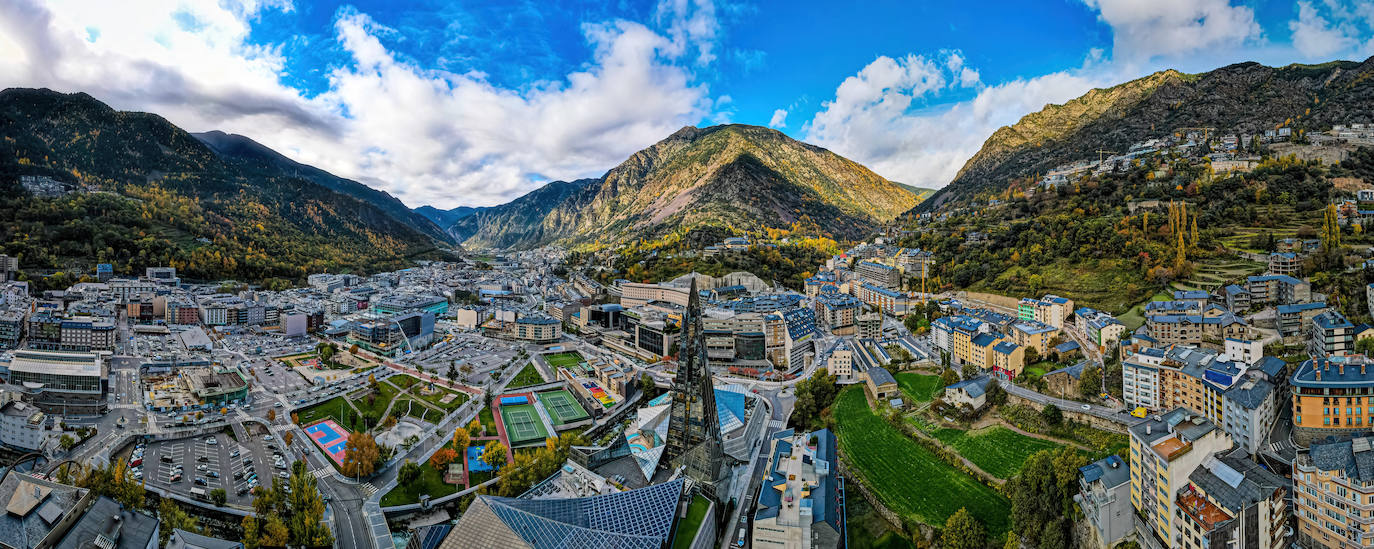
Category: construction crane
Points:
column 1101, row 152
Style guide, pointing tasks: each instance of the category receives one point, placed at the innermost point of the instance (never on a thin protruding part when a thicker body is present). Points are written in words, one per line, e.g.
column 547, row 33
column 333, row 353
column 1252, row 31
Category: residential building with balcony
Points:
column 1330, row 334
column 1333, row 494
column 1104, row 495
column 1165, row 450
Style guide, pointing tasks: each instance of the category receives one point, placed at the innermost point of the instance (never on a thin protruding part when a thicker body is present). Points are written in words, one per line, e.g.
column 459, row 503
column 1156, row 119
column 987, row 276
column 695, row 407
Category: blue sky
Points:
column 475, row 103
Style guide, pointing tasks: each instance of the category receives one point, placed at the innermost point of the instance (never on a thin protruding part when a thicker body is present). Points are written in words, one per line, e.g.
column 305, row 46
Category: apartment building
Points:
column 1285, row 263
column 1293, row 320
column 1212, row 327
column 1099, row 327
column 869, row 326
column 1333, row 491
column 1104, row 495
column 1033, row 334
column 536, row 329
column 1231, row 501
column 1280, row 289
column 885, row 276
column 1332, row 396
column 1330, row 334
column 836, row 312
column 634, row 294
column 1165, row 450
column 55, row 331
column 1240, row 397
column 886, row 300
column 1050, row 309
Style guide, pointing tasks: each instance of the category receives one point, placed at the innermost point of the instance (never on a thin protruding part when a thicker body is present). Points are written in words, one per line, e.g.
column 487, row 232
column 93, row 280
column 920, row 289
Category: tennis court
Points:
column 330, row 437
column 523, row 424
column 561, row 406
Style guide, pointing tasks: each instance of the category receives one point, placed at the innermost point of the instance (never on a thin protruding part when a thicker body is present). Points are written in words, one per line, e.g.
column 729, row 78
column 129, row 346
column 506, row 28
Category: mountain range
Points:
column 747, row 177
column 144, row 192
column 1241, row 98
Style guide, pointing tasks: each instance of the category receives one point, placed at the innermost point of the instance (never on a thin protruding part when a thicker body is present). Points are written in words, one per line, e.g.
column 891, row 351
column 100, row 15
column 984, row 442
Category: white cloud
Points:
column 1338, row 32
column 779, row 119
column 870, row 120
column 1146, row 29
column 425, row 136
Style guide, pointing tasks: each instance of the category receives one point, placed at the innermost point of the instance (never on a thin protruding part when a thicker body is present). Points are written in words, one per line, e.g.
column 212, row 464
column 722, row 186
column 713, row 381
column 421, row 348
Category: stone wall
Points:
column 1074, row 416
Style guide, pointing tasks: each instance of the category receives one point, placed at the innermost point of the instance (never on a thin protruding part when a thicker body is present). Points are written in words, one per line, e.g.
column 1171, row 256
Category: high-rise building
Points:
column 694, row 440
column 1333, row 485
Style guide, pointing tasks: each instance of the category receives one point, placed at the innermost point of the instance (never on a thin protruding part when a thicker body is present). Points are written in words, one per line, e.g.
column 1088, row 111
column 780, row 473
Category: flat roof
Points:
column 50, row 362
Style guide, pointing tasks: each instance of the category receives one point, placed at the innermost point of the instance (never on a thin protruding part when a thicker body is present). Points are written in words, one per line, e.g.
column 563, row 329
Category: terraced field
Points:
column 1287, row 224
column 909, row 479
column 998, row 450
column 1212, row 274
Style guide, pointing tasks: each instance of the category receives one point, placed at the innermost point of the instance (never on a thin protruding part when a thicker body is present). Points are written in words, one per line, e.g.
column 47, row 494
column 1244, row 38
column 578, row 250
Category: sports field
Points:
column 564, row 360
column 523, row 425
column 527, row 376
column 330, row 437
column 562, row 407
column 908, row 478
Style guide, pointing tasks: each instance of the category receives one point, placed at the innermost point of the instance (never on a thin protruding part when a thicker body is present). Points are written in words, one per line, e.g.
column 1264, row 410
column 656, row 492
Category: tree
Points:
column 646, row 384
column 996, row 395
column 200, row 416
column 1052, row 415
column 1032, row 355
column 1090, row 382
column 409, row 473
column 113, row 481
column 66, row 442
column 1365, row 346
column 389, row 422
column 962, row 531
column 360, row 455
column 461, row 439
column 475, row 426
column 287, row 437
column 948, row 377
column 969, row 371
column 295, row 418
column 442, row 458
column 219, row 496
column 494, row 454
column 814, row 395
column 174, row 517
column 271, row 416
column 372, row 381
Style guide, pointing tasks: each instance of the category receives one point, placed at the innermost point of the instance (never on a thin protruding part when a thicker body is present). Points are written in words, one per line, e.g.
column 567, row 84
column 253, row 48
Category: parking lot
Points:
column 478, row 354
column 275, row 376
column 213, row 461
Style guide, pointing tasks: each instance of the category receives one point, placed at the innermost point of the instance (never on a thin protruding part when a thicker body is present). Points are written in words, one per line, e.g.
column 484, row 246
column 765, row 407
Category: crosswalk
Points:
column 322, row 472
column 368, row 489
column 1280, row 446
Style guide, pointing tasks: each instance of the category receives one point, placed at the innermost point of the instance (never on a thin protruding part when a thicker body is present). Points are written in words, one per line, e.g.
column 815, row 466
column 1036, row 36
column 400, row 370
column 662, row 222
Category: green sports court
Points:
column 570, row 360
column 562, row 407
column 523, row 425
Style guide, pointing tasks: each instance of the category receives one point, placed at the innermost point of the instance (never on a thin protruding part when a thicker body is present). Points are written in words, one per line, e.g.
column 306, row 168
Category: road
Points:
column 1118, row 416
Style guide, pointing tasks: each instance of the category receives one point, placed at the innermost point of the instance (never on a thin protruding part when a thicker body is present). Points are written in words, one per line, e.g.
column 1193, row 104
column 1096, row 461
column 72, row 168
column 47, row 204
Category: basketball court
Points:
column 330, row 437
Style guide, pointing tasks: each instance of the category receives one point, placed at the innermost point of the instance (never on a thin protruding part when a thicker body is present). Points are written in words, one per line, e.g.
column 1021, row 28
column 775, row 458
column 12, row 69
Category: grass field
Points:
column 997, row 450
column 867, row 530
column 384, row 395
column 528, row 376
column 337, row 409
column 403, row 381
column 564, row 360
column 523, row 425
column 431, row 482
column 918, row 387
column 909, row 479
column 438, row 396
column 562, row 407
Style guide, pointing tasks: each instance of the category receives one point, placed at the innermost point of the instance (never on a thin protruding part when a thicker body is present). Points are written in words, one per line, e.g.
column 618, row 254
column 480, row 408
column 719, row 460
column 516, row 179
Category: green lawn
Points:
column 336, row 408
column 403, row 381
column 997, row 450
column 689, row 525
column 384, row 395
column 488, row 423
column 431, row 482
column 528, row 376
column 908, row 478
column 564, row 360
column 1108, row 284
column 918, row 387
column 439, row 394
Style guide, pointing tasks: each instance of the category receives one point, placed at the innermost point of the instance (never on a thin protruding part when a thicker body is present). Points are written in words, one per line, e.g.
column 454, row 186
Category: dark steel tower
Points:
column 693, row 428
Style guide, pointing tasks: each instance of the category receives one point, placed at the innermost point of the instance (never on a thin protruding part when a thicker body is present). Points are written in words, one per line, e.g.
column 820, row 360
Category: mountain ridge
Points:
column 730, row 174
column 1243, row 97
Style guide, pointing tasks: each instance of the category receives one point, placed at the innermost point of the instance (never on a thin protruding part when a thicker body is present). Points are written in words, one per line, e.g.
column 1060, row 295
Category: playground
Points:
column 330, row 437
column 562, row 407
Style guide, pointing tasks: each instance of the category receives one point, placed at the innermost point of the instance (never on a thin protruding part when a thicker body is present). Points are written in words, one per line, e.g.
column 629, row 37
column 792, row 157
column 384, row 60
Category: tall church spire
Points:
column 694, row 439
